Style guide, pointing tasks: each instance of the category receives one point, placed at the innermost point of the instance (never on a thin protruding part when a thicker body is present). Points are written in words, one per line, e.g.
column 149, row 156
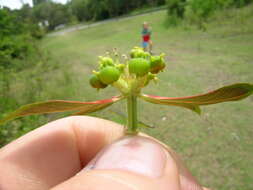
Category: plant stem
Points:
column 132, row 123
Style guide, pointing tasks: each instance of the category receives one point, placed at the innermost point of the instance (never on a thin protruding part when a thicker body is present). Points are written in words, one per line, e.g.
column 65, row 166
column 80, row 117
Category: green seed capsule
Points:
column 157, row 64
column 132, row 53
column 137, row 53
column 96, row 83
column 139, row 66
column 121, row 67
column 109, row 74
column 106, row 61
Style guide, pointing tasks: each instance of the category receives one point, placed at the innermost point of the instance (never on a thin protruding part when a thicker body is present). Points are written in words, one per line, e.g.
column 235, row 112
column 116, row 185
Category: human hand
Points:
column 75, row 153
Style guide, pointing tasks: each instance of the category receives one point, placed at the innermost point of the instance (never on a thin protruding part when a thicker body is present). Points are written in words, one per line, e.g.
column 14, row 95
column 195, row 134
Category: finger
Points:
column 55, row 152
column 187, row 180
column 136, row 163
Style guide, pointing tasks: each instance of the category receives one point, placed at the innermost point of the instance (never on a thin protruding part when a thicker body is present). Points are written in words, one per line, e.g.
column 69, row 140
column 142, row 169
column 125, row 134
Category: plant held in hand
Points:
column 129, row 77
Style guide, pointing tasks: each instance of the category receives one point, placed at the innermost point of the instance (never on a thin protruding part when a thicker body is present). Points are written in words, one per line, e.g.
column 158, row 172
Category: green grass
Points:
column 216, row 146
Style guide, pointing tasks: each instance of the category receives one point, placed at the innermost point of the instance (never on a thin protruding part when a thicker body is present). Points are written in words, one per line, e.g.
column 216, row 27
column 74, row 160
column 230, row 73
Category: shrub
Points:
column 17, row 36
column 198, row 11
column 176, row 7
column 202, row 9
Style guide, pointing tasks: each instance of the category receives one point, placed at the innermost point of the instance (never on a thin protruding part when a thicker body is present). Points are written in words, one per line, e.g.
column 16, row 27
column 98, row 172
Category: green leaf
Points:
column 228, row 93
column 53, row 106
column 95, row 108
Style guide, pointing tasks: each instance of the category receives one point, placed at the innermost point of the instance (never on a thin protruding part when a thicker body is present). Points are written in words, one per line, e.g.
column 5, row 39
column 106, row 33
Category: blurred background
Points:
column 49, row 48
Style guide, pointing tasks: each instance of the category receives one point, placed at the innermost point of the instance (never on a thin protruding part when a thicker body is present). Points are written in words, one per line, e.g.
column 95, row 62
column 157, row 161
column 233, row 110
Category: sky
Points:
column 16, row 4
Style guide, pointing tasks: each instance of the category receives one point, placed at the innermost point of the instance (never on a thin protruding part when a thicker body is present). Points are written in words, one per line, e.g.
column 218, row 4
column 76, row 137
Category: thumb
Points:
column 131, row 163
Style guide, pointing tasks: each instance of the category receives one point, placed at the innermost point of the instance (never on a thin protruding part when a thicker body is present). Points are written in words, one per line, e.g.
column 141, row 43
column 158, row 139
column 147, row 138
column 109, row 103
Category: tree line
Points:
column 85, row 10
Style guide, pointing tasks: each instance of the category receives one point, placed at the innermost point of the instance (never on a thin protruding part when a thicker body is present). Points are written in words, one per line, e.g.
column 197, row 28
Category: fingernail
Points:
column 134, row 154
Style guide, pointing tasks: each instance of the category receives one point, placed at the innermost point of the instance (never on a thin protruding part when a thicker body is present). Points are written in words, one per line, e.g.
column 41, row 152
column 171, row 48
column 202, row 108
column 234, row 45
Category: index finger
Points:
column 55, row 152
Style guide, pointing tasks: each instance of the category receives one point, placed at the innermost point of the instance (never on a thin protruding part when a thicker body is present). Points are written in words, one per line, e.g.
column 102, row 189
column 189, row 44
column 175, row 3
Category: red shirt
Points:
column 146, row 38
column 146, row 34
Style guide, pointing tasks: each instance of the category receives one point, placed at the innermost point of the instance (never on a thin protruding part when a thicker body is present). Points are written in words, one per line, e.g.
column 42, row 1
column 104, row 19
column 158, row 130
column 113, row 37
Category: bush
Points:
column 202, row 9
column 54, row 14
column 14, row 47
column 176, row 7
column 198, row 11
column 17, row 37
column 241, row 3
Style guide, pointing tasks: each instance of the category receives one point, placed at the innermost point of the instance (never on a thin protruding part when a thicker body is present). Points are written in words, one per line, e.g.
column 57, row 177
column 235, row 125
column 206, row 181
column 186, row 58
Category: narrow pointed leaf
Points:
column 228, row 93
column 96, row 107
column 157, row 100
column 53, row 106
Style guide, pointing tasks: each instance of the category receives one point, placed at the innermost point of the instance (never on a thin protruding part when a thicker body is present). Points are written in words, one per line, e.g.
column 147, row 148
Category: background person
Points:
column 146, row 37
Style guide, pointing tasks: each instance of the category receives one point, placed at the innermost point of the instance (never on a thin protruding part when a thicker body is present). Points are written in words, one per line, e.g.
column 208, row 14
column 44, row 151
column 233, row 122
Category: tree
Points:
column 53, row 13
column 37, row 2
column 176, row 7
column 80, row 9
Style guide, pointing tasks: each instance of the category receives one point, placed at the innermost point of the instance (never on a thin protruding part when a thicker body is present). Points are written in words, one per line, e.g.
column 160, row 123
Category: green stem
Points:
column 132, row 123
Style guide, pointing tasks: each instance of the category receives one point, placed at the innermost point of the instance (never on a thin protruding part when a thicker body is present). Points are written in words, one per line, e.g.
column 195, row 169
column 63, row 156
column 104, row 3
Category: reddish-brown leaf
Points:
column 60, row 106
column 228, row 93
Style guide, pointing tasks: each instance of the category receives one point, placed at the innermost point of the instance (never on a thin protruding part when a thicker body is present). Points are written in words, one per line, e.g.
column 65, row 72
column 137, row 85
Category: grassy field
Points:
column 218, row 145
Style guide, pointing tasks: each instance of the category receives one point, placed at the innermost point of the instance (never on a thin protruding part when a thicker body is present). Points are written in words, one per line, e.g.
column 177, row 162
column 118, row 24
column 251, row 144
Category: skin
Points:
column 51, row 156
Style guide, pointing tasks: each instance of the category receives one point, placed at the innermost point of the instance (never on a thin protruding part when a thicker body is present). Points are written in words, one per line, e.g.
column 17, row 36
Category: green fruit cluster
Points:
column 141, row 66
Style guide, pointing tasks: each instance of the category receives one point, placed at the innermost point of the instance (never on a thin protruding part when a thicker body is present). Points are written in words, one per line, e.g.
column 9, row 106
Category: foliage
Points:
column 12, row 86
column 80, row 9
column 86, row 10
column 53, row 13
column 202, row 8
column 37, row 2
column 176, row 7
column 50, row 14
column 17, row 36
column 198, row 11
